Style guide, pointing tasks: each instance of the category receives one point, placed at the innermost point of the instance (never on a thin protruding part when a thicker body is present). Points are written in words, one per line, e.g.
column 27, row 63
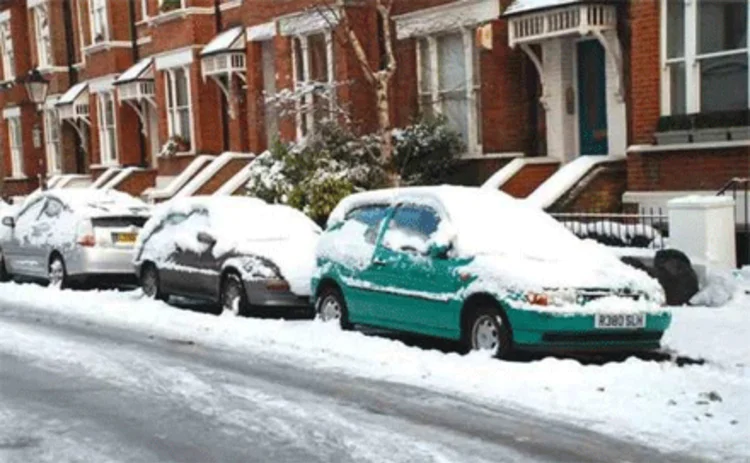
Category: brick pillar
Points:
column 254, row 106
column 285, row 79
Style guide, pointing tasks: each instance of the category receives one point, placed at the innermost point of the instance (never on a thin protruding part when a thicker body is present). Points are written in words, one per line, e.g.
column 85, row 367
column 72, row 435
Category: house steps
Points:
column 214, row 175
column 520, row 177
column 155, row 195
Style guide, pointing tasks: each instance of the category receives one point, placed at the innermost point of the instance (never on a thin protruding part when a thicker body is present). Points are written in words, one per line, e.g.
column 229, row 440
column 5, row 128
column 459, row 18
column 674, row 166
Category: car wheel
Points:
column 4, row 275
column 233, row 298
column 150, row 283
column 487, row 331
column 330, row 306
column 57, row 275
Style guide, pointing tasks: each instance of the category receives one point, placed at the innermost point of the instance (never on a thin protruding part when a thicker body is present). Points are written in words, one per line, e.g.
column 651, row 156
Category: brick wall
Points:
column 137, row 182
column 529, row 178
column 645, row 70
column 600, row 190
column 707, row 169
column 223, row 175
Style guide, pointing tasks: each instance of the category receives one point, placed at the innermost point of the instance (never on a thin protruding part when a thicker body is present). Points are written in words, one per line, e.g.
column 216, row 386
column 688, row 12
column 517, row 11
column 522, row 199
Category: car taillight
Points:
column 277, row 285
column 85, row 234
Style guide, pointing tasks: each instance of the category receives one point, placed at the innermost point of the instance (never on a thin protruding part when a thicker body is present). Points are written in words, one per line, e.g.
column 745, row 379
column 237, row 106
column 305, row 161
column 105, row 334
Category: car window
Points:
column 372, row 217
column 175, row 218
column 53, row 208
column 29, row 215
column 410, row 228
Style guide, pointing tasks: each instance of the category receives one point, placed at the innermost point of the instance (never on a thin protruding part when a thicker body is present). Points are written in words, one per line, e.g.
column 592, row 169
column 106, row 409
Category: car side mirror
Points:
column 439, row 250
column 206, row 238
column 9, row 222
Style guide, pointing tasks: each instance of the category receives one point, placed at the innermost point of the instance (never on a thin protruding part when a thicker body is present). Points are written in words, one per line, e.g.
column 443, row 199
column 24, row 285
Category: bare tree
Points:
column 380, row 77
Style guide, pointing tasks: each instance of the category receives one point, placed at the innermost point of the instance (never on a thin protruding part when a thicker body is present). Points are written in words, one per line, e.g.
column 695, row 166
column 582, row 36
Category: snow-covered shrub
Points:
column 315, row 174
column 426, row 153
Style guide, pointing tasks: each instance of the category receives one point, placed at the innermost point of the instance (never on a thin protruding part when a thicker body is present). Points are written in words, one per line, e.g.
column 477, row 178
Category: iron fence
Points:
column 644, row 230
column 739, row 188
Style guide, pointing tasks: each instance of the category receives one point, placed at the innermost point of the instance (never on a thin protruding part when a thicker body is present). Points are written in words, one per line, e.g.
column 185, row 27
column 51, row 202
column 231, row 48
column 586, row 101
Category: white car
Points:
column 70, row 236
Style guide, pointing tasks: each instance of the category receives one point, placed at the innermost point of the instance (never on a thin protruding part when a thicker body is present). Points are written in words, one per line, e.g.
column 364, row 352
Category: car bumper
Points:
column 260, row 296
column 100, row 261
column 544, row 331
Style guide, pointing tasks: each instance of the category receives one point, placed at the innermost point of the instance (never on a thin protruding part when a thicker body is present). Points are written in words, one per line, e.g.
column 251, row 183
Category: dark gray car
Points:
column 239, row 253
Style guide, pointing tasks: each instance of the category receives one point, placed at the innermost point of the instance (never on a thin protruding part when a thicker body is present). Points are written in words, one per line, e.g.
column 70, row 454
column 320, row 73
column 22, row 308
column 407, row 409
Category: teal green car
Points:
column 481, row 267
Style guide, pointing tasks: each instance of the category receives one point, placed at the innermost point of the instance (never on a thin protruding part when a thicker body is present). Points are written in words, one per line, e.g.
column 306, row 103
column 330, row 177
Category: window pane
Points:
column 298, row 61
column 456, row 109
column 452, row 62
column 678, row 88
column 675, row 28
column 318, row 58
column 181, row 86
column 425, row 66
column 269, row 88
column 184, row 130
column 410, row 228
column 724, row 83
column 722, row 25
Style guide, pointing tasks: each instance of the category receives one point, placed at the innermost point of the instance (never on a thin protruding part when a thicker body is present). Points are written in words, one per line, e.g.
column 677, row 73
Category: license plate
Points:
column 124, row 238
column 620, row 321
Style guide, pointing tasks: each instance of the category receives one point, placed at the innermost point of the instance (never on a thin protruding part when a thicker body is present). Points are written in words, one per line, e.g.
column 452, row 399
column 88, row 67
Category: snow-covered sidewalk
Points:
column 702, row 409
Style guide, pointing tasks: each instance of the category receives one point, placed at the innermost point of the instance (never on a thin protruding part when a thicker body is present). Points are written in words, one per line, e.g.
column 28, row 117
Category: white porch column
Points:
column 561, row 128
column 617, row 129
column 703, row 227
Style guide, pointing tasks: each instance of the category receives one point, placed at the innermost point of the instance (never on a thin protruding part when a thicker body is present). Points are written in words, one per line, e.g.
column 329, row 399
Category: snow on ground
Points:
column 695, row 408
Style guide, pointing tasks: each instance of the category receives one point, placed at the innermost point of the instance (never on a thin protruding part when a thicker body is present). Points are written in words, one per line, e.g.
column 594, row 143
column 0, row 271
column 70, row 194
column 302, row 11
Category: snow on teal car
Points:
column 479, row 266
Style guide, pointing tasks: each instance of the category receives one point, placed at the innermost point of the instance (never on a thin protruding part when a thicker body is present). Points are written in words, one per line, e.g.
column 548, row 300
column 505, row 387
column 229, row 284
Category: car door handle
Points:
column 379, row 262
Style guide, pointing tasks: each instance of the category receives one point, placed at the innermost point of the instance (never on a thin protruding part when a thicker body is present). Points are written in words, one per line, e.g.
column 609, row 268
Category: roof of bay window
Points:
column 138, row 71
column 227, row 41
column 72, row 94
column 446, row 17
column 533, row 6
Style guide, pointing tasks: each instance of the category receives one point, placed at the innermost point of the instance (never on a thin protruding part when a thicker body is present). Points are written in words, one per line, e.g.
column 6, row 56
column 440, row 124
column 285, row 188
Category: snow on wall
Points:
column 238, row 180
column 565, row 178
column 120, row 177
column 105, row 177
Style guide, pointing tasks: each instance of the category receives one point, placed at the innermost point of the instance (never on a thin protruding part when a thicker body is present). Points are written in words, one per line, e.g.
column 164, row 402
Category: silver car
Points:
column 71, row 236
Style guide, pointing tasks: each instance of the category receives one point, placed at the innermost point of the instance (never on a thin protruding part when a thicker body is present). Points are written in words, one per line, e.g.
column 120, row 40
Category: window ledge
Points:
column 229, row 4
column 16, row 178
column 471, row 156
column 177, row 14
column 688, row 146
column 105, row 45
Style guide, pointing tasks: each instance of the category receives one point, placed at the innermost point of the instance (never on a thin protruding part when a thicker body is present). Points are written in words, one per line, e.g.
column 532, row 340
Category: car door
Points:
column 23, row 256
column 159, row 248
column 50, row 234
column 188, row 275
column 419, row 289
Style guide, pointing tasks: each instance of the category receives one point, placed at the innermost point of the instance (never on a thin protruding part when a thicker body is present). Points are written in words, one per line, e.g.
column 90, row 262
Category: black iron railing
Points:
column 739, row 188
column 644, row 230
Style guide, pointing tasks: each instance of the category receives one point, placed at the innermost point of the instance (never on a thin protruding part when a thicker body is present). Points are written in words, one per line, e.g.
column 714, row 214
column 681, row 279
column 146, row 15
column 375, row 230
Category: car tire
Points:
column 330, row 306
column 4, row 275
column 57, row 274
column 486, row 329
column 151, row 283
column 233, row 298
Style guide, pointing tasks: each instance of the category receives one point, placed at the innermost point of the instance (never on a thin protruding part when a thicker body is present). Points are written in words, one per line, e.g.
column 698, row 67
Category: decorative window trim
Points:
column 52, row 146
column 108, row 149
column 691, row 58
column 473, row 88
column 307, row 23
column 106, row 45
column 6, row 47
column 305, row 123
column 445, row 18
column 173, row 59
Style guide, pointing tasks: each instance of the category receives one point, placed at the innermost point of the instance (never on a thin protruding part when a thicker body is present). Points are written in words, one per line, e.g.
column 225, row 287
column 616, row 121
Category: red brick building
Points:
column 574, row 103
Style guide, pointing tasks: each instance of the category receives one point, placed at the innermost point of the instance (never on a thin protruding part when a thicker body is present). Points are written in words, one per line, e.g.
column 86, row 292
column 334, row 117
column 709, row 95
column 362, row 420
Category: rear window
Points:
column 119, row 222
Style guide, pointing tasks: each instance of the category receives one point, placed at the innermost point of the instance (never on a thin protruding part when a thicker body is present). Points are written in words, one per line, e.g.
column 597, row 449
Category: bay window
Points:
column 52, row 141
column 107, row 128
column 179, row 113
column 705, row 56
column 314, row 78
column 15, row 137
column 42, row 35
column 448, row 82
column 99, row 24
column 6, row 43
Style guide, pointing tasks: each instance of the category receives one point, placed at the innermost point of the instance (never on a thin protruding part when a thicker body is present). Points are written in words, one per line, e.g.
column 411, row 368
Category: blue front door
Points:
column 592, row 98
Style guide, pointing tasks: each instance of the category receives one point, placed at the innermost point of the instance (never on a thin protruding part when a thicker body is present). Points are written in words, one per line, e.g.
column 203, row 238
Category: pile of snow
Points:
column 241, row 226
column 697, row 409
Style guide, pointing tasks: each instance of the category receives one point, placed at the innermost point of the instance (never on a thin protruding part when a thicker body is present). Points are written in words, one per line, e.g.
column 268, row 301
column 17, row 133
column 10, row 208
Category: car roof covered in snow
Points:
column 91, row 202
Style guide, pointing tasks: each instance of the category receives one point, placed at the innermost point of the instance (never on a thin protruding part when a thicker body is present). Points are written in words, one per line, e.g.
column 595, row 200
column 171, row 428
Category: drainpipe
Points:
column 224, row 102
column 134, row 50
column 70, row 56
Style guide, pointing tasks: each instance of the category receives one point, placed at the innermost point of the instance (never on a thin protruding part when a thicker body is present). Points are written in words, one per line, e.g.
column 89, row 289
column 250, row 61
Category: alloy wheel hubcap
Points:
column 232, row 298
column 56, row 273
column 330, row 309
column 485, row 335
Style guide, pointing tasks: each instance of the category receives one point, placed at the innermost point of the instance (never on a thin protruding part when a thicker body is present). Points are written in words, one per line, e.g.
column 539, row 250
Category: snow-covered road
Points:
column 79, row 392
column 126, row 379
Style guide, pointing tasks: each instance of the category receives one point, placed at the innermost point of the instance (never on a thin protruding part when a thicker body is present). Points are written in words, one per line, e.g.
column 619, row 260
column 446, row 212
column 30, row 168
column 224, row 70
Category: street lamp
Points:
column 36, row 89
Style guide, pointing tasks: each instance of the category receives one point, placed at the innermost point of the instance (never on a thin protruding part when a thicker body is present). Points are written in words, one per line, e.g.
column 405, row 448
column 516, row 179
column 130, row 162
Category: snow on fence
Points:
column 619, row 230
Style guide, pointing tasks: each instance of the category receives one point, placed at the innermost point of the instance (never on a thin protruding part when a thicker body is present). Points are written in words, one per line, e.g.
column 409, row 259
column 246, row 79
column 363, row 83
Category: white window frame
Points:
column 99, row 14
column 174, row 117
column 691, row 59
column 52, row 145
column 182, row 4
column 6, row 43
column 144, row 9
column 472, row 72
column 15, row 142
column 305, row 120
column 107, row 145
column 43, row 36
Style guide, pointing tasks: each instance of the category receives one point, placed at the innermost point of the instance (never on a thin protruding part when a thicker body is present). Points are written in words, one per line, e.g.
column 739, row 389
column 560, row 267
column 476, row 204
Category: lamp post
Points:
column 36, row 89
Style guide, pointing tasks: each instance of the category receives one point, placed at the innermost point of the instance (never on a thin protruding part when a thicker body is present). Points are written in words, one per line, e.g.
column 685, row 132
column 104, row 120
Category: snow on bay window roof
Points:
column 229, row 40
column 138, row 71
column 73, row 92
column 531, row 6
column 450, row 16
